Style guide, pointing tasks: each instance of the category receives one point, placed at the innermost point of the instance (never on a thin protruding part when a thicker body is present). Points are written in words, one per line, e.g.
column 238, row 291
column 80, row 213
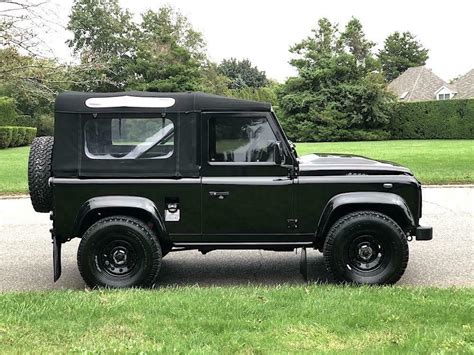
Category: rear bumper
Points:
column 424, row 233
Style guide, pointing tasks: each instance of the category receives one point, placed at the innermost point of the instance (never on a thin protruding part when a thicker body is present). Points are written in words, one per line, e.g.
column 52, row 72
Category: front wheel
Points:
column 366, row 248
column 119, row 252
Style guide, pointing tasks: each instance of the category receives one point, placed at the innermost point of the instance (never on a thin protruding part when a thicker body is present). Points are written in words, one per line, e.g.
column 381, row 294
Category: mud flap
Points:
column 304, row 264
column 56, row 257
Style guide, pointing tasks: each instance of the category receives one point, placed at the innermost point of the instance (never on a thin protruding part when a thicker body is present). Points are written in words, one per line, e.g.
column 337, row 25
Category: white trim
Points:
column 130, row 101
column 446, row 90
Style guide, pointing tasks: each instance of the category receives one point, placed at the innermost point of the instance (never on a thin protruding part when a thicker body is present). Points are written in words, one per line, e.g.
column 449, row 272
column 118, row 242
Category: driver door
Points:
column 246, row 195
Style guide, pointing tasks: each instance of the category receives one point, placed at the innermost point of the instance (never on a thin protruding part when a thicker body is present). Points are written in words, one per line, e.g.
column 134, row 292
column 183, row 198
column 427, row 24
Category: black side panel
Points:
column 67, row 127
column 70, row 195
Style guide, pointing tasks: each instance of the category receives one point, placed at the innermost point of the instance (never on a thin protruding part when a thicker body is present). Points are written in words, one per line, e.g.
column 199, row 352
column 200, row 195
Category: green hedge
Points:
column 25, row 121
column 16, row 136
column 7, row 111
column 447, row 119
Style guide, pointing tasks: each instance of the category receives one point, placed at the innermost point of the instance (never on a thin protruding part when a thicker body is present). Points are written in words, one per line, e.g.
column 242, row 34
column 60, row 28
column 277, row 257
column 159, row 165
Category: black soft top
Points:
column 75, row 102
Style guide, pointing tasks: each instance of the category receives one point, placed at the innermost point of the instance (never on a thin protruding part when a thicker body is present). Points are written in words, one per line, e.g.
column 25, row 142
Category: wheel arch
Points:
column 389, row 204
column 141, row 208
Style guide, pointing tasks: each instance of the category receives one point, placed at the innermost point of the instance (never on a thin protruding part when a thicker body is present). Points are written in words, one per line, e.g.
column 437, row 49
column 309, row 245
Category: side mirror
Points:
column 278, row 153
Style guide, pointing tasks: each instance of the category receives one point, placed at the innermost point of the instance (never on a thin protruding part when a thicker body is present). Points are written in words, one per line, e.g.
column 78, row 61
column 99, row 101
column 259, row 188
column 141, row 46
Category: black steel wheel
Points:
column 119, row 252
column 366, row 248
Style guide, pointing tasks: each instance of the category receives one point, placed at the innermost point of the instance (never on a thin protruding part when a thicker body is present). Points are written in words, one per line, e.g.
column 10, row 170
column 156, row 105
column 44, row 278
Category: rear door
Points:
column 246, row 196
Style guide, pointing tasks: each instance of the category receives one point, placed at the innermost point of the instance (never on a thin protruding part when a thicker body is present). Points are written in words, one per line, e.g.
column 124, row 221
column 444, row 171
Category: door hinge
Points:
column 292, row 223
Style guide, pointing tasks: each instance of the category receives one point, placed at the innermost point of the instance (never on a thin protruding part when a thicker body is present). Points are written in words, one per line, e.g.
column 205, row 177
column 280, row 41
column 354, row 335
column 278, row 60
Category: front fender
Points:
column 388, row 203
column 121, row 205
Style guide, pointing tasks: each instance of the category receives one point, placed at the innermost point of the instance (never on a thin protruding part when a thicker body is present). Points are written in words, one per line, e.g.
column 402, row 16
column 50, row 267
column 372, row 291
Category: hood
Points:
column 345, row 164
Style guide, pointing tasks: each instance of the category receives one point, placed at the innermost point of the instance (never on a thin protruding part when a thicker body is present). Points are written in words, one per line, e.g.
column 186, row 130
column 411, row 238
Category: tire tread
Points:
column 39, row 172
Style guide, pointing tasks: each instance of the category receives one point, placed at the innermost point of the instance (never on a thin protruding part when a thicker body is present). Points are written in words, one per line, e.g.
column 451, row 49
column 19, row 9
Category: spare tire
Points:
column 39, row 172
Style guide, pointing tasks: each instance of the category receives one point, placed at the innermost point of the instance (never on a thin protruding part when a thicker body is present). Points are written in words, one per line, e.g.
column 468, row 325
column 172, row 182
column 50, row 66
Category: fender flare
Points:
column 108, row 205
column 379, row 201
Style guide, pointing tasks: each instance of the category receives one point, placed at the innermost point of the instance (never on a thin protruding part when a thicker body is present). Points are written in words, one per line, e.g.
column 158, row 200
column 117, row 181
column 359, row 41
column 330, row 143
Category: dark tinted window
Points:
column 129, row 138
column 241, row 140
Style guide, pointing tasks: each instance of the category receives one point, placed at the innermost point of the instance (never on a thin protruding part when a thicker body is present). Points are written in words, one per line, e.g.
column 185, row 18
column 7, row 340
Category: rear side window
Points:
column 241, row 140
column 129, row 138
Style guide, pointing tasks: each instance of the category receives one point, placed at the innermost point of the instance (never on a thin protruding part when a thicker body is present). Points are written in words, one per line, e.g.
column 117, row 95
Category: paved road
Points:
column 26, row 252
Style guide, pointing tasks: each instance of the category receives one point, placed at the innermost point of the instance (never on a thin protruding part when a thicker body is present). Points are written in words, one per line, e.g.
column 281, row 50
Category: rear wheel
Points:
column 366, row 248
column 119, row 252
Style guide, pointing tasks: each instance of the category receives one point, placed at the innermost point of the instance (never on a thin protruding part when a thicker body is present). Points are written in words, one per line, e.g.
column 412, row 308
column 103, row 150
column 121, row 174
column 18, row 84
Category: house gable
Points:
column 444, row 93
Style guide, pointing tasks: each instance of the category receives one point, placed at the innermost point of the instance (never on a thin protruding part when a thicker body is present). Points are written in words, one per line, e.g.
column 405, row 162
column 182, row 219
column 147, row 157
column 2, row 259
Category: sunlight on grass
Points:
column 282, row 319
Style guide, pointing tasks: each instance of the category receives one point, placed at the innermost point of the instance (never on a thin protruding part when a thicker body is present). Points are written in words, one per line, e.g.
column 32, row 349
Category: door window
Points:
column 241, row 140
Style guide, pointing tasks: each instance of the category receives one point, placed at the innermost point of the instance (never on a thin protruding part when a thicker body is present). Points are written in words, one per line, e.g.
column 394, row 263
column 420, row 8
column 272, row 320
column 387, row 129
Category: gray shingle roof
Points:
column 465, row 85
column 419, row 83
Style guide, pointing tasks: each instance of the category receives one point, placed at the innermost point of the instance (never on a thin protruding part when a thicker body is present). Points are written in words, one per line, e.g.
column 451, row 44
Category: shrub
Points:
column 16, row 136
column 5, row 137
column 7, row 111
column 30, row 135
column 22, row 139
column 25, row 121
column 45, row 125
column 447, row 119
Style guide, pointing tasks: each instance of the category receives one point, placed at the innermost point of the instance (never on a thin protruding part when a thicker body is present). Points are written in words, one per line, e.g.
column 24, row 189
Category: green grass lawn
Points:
column 14, row 170
column 282, row 319
column 432, row 161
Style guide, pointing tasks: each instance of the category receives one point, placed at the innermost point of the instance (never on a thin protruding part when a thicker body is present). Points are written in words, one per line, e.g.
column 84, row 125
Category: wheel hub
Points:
column 365, row 252
column 119, row 256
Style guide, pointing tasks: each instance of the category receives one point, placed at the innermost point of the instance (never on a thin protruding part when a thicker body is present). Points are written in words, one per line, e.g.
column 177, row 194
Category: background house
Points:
column 465, row 85
column 421, row 84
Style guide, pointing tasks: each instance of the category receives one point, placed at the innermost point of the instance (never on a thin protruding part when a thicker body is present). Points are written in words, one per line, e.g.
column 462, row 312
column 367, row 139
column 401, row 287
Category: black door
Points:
column 246, row 196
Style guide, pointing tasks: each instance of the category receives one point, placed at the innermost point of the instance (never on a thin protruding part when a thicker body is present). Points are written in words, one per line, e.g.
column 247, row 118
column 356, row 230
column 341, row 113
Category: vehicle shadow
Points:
column 250, row 267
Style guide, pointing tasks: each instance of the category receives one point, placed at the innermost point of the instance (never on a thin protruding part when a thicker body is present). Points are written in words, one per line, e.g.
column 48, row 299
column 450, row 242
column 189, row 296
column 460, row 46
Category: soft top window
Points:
column 129, row 138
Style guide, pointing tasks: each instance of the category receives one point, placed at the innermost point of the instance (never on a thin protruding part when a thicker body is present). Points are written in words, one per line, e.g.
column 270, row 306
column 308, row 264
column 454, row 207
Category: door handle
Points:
column 219, row 194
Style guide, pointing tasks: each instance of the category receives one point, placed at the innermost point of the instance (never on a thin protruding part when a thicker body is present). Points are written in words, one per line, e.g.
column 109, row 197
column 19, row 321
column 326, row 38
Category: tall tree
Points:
column 357, row 44
column 336, row 95
column 25, row 74
column 242, row 74
column 169, row 53
column 400, row 52
column 100, row 28
column 161, row 53
column 103, row 36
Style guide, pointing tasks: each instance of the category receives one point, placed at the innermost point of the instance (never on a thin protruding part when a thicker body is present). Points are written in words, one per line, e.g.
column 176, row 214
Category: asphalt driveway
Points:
column 447, row 260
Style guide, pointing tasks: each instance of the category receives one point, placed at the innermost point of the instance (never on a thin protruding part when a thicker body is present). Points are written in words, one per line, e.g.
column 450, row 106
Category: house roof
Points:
column 465, row 85
column 418, row 84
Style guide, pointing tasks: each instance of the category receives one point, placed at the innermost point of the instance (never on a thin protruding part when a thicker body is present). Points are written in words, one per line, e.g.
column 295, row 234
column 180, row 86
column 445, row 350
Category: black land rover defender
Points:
column 138, row 175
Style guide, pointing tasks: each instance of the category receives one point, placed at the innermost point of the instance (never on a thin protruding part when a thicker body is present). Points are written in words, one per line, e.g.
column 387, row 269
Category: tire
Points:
column 366, row 248
column 101, row 260
column 39, row 172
